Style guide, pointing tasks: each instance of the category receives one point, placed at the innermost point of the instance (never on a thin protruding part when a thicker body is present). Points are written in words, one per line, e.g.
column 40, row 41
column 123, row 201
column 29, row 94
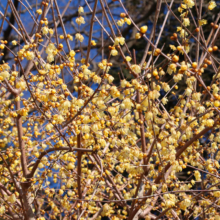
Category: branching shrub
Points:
column 93, row 127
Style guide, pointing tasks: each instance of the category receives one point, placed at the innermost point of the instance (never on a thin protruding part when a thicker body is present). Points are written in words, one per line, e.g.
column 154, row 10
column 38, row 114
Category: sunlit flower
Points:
column 79, row 37
column 80, row 10
column 114, row 52
column 136, row 68
column 39, row 11
column 30, row 55
column 45, row 30
column 80, row 20
column 14, row 42
column 120, row 22
column 189, row 3
column 119, row 40
column 212, row 5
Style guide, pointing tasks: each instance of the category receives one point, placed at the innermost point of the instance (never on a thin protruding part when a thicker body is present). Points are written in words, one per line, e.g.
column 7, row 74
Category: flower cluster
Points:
column 79, row 142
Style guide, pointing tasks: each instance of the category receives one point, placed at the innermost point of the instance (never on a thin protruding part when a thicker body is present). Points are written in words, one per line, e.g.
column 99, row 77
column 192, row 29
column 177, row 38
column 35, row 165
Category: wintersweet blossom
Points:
column 171, row 68
column 39, row 11
column 80, row 10
column 114, row 52
column 12, row 198
column 197, row 175
column 128, row 21
column 83, row 132
column 189, row 3
column 136, row 68
column 186, row 22
column 119, row 40
column 80, row 20
column 128, row 103
column 212, row 5
column 14, row 42
column 4, row 74
column 143, row 29
column 30, row 55
column 128, row 58
column 79, row 37
column 120, row 22
column 45, row 30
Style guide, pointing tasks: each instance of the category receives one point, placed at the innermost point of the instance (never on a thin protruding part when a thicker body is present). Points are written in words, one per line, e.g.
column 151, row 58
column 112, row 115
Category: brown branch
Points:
column 51, row 150
column 91, row 31
column 79, row 171
column 4, row 16
column 62, row 25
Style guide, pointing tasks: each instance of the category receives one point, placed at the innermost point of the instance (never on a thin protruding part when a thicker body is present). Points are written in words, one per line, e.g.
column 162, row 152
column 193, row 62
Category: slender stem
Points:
column 91, row 31
column 62, row 25
column 52, row 150
column 4, row 17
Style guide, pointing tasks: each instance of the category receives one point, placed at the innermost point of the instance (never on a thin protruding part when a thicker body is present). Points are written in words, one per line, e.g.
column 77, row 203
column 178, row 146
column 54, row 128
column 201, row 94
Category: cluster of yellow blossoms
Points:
column 116, row 148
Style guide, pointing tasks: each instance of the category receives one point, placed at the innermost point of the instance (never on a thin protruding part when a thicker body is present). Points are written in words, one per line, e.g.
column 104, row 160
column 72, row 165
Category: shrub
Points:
column 79, row 143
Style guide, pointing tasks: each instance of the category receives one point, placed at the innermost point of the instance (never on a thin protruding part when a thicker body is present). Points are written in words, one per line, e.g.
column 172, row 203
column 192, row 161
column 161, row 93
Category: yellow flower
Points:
column 2, row 210
column 164, row 100
column 189, row 3
column 51, row 31
column 119, row 40
column 45, row 30
column 93, row 43
column 80, row 20
column 50, row 58
column 97, row 79
column 14, row 42
column 49, row 127
column 4, row 74
column 30, row 55
column 183, row 6
column 185, row 204
column 186, row 22
column 196, row 96
column 137, row 36
column 66, row 104
column 171, row 68
column 180, row 10
column 128, row 21
column 114, row 52
column 143, row 29
column 183, row 33
column 172, row 47
column 136, row 68
column 212, row 5
column 21, row 85
column 79, row 37
column 128, row 103
column 179, row 29
column 70, row 166
column 12, row 198
column 210, row 122
column 128, row 58
column 154, row 188
column 177, row 77
column 72, row 53
column 80, row 10
column 120, row 22
column 197, row 175
column 202, row 22
column 50, row 48
column 39, row 11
